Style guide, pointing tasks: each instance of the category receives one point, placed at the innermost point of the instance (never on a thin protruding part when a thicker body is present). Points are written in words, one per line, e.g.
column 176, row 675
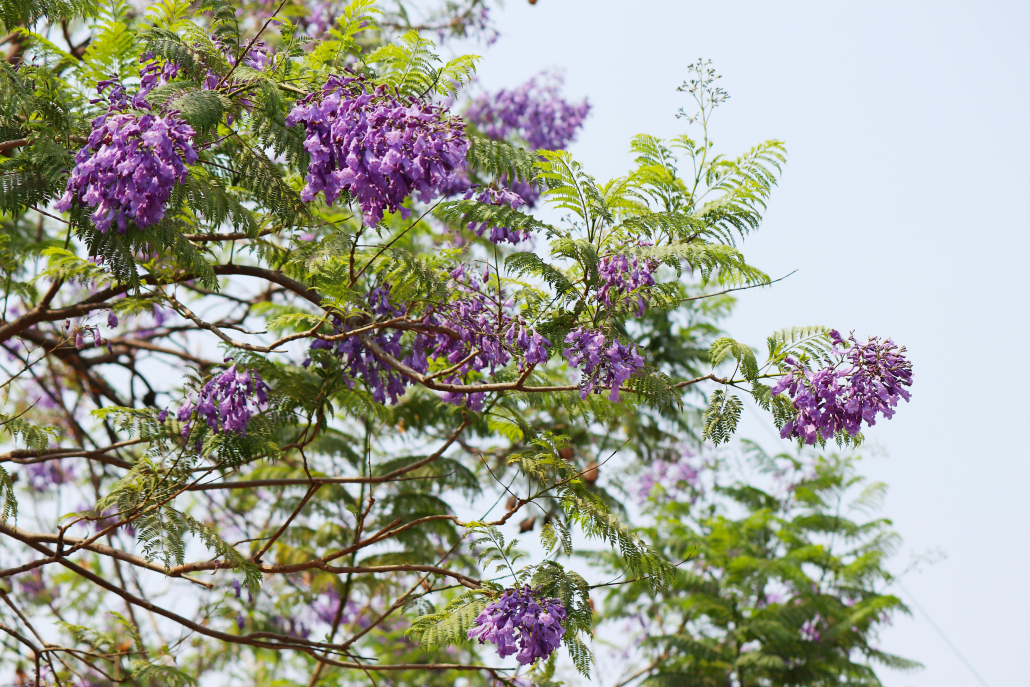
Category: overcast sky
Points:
column 902, row 207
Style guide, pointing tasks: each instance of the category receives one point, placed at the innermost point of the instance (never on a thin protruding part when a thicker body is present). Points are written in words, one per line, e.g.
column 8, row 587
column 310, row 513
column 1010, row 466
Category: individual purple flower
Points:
column 236, row 587
column 240, row 621
column 623, row 274
column 163, row 415
column 227, row 402
column 604, row 363
column 520, row 622
column 112, row 319
column 868, row 379
column 494, row 196
column 377, row 147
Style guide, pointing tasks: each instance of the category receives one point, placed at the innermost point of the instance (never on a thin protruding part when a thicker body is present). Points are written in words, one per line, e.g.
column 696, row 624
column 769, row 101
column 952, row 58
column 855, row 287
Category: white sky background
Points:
column 902, row 207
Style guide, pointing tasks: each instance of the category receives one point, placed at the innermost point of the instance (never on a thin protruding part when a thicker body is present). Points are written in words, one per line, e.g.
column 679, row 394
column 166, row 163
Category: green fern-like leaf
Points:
column 721, row 417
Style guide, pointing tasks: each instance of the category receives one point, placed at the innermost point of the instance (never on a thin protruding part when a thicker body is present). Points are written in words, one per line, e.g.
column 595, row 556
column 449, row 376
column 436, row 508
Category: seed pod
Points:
column 527, row 524
column 591, row 473
column 567, row 453
column 512, row 502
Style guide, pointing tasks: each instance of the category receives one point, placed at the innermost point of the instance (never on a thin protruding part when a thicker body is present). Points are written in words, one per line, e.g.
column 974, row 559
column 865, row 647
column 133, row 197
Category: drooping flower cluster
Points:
column 518, row 621
column 494, row 196
column 377, row 147
column 128, row 168
column 674, row 478
column 535, row 111
column 227, row 402
column 869, row 379
column 810, row 628
column 359, row 360
column 471, row 333
column 43, row 476
column 132, row 158
column 474, row 333
column 602, row 362
column 621, row 274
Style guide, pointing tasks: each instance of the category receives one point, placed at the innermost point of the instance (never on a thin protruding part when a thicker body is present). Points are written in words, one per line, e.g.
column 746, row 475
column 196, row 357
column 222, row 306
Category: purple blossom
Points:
column 128, row 167
column 291, row 626
column 359, row 360
column 493, row 196
column 378, row 148
column 621, row 275
column 257, row 58
column 326, row 611
column 670, row 476
column 225, row 402
column 33, row 585
column 518, row 621
column 867, row 379
column 43, row 476
column 536, row 112
column 471, row 334
column 606, row 363
column 810, row 628
column 112, row 319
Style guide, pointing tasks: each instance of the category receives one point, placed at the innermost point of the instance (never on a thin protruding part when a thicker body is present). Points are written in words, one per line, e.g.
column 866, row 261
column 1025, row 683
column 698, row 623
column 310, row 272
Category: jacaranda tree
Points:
column 289, row 356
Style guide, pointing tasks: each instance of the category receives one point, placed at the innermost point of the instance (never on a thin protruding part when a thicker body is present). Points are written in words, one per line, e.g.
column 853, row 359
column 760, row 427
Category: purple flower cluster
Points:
column 128, row 168
column 810, row 629
column 132, row 158
column 868, row 379
column 493, row 196
column 475, row 329
column 622, row 274
column 377, row 147
column 535, row 112
column 606, row 363
column 471, row 333
column 519, row 622
column 359, row 360
column 225, row 402
column 669, row 476
column 44, row 475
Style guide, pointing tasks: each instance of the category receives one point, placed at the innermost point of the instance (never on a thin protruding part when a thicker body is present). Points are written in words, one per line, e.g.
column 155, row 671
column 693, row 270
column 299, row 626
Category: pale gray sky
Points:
column 902, row 207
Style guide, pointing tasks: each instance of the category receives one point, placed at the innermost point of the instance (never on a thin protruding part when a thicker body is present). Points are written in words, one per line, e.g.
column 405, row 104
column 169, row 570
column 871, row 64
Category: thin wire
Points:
column 954, row 649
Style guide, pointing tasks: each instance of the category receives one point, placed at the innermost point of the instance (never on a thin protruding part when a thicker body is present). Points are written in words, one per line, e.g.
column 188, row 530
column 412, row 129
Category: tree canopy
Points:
column 300, row 326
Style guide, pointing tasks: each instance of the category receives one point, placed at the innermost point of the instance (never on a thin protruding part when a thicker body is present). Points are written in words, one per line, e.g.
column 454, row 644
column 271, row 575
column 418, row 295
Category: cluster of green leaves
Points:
column 783, row 582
